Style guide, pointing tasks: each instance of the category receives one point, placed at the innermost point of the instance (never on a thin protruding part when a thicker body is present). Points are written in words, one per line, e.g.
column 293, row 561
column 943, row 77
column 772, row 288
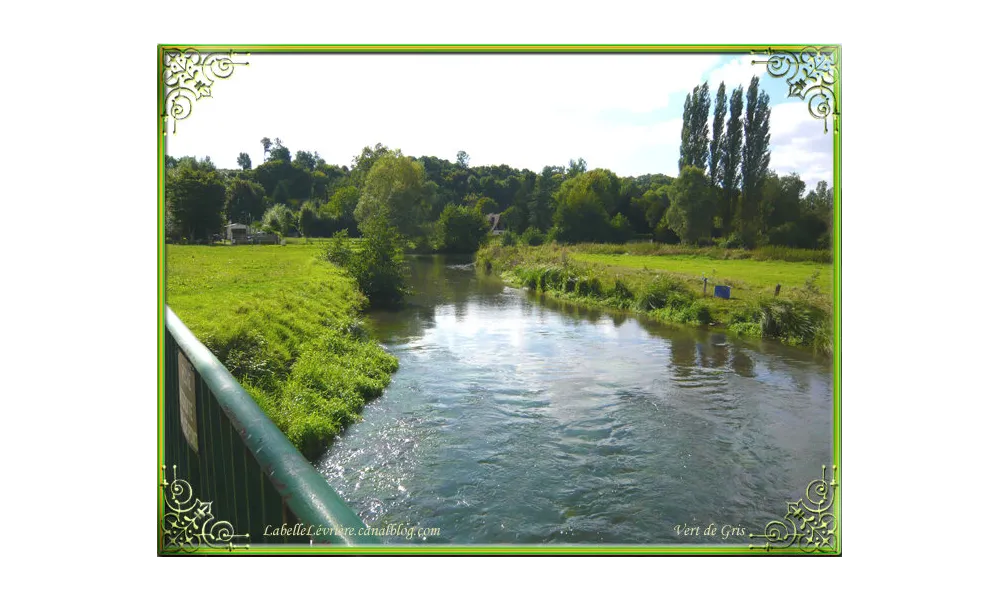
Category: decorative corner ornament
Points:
column 812, row 76
column 809, row 523
column 188, row 76
column 189, row 524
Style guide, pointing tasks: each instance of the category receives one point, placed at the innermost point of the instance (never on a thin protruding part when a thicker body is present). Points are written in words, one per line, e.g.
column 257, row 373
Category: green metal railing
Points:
column 235, row 457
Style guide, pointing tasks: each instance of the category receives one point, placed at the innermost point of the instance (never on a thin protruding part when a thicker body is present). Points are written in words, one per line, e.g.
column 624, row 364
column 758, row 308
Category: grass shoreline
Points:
column 288, row 325
column 799, row 316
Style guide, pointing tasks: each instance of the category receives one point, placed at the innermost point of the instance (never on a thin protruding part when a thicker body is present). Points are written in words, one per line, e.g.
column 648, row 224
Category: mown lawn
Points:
column 287, row 324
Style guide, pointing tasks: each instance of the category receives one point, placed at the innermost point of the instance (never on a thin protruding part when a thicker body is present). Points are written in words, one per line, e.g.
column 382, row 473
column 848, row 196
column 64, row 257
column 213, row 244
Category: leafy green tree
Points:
column 345, row 200
column 576, row 167
column 394, row 190
column 281, row 153
column 621, row 229
column 486, row 206
column 717, row 146
column 602, row 182
column 309, row 221
column 694, row 132
column 582, row 205
column 461, row 229
column 266, row 142
column 692, row 205
column 731, row 159
column 243, row 160
column 533, row 237
column 306, row 160
column 245, row 200
column 279, row 219
column 817, row 216
column 320, row 185
column 280, row 194
column 377, row 264
column 655, row 202
column 462, row 159
column 196, row 198
column 781, row 200
column 756, row 154
column 364, row 162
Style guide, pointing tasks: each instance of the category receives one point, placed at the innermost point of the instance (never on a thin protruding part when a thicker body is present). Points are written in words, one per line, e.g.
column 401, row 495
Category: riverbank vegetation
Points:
column 675, row 289
column 287, row 324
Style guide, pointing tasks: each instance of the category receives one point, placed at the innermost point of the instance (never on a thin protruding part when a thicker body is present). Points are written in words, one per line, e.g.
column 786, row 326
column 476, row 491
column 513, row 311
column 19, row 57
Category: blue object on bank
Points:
column 722, row 291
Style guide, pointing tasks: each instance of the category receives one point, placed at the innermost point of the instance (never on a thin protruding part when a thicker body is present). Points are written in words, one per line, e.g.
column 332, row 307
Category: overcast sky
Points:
column 620, row 112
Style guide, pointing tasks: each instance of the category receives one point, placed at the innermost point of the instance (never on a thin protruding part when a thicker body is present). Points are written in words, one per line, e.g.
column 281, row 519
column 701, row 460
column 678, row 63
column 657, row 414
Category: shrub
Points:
column 662, row 292
column 338, row 249
column 508, row 238
column 378, row 265
column 460, row 229
column 733, row 242
column 532, row 236
column 621, row 229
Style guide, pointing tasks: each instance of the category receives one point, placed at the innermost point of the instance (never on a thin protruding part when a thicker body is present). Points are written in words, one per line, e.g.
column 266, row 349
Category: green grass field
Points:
column 668, row 286
column 288, row 325
column 749, row 275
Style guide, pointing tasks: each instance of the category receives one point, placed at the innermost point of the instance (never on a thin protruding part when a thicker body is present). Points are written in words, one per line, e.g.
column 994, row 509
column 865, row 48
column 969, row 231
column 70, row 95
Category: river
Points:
column 516, row 419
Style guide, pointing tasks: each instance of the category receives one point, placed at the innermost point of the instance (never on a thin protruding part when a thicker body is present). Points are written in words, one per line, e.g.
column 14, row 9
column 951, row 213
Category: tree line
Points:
column 724, row 194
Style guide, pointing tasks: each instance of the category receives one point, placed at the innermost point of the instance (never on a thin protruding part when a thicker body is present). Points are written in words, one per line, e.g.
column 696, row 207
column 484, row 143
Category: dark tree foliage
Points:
column 245, row 201
column 692, row 205
column 195, row 198
column 266, row 143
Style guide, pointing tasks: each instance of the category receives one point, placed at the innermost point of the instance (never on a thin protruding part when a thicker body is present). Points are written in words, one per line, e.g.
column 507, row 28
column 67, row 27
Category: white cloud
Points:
column 798, row 143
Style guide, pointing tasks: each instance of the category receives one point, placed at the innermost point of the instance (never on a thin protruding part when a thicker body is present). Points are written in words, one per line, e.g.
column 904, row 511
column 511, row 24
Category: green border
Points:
column 501, row 550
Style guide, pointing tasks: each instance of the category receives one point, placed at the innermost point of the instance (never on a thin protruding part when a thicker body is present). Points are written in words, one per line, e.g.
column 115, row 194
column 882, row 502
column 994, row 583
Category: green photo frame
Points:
column 230, row 481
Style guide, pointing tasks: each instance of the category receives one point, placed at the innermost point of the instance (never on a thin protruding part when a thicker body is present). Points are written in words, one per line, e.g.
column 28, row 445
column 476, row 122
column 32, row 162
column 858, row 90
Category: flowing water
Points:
column 517, row 419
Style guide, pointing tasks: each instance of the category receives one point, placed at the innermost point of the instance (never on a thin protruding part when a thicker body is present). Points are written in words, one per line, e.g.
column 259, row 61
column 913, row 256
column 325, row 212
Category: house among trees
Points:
column 494, row 220
column 237, row 232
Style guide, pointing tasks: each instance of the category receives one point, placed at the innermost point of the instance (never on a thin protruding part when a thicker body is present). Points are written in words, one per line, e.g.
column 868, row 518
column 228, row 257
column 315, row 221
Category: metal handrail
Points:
column 302, row 489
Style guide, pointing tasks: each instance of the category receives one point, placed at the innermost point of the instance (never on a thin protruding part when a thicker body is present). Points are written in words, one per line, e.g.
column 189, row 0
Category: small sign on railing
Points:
column 188, row 403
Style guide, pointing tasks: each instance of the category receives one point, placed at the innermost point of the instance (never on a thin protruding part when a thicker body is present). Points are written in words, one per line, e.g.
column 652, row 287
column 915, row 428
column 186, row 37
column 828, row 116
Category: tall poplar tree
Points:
column 694, row 134
column 730, row 158
column 756, row 152
column 718, row 132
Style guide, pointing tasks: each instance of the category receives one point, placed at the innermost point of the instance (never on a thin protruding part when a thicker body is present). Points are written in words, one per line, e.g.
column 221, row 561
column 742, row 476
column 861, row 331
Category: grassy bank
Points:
column 669, row 288
column 287, row 324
